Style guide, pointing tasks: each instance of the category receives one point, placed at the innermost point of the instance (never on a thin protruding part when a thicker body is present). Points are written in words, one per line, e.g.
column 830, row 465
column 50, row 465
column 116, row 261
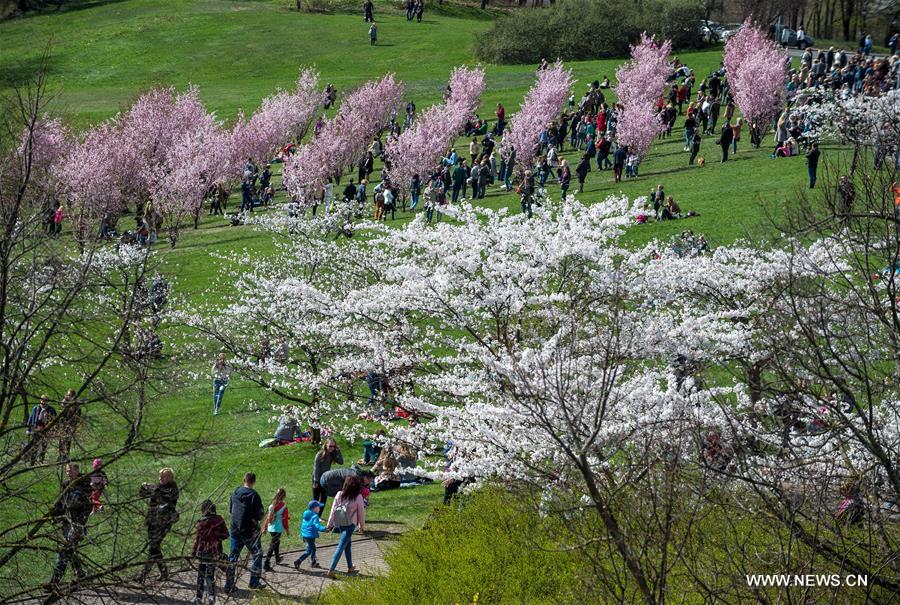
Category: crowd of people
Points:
column 250, row 521
column 588, row 127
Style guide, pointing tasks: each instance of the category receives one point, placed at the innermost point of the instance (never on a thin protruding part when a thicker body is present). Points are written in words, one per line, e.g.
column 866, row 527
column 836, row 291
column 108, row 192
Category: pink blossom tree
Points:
column 49, row 140
column 193, row 163
column 281, row 117
column 343, row 138
column 88, row 182
column 756, row 67
column 418, row 150
column 542, row 105
column 169, row 151
column 641, row 81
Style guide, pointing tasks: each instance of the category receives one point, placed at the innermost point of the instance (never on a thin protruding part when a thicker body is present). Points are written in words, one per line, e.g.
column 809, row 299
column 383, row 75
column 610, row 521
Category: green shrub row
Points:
column 588, row 29
column 486, row 551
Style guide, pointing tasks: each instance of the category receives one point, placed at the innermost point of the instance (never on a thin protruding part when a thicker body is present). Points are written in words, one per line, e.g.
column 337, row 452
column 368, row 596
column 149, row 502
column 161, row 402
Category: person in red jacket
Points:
column 601, row 120
column 210, row 532
column 501, row 119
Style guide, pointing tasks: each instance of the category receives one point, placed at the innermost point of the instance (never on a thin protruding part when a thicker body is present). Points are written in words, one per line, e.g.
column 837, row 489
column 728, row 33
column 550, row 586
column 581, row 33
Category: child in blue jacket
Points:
column 309, row 531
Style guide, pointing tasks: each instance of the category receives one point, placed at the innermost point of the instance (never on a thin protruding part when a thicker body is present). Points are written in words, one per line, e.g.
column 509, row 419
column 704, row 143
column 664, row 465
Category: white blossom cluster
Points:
column 527, row 349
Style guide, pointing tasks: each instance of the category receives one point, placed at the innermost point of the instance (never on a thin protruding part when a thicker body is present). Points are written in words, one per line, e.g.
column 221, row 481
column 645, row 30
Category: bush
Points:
column 486, row 548
column 588, row 29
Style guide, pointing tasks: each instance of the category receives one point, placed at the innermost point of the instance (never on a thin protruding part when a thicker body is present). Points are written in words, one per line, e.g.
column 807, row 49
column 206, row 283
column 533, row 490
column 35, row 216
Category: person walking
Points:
column 221, row 371
column 325, row 457
column 309, row 531
column 277, row 523
column 459, row 180
column 565, row 178
column 526, row 193
column 38, row 420
column 246, row 511
column 695, row 146
column 373, row 34
column 736, row 134
column 584, row 166
column 368, row 8
column 474, row 176
column 415, row 191
column 207, row 550
column 812, row 163
column 619, row 157
column 484, row 176
column 690, row 124
column 725, row 140
column 162, row 514
column 347, row 514
column 68, row 424
column 72, row 509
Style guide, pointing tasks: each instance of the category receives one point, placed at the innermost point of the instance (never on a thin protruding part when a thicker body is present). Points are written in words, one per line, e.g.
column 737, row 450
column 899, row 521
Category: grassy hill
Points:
column 103, row 55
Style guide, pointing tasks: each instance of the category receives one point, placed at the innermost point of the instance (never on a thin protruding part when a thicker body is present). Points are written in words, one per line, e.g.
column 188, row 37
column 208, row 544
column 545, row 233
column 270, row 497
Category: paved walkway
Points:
column 368, row 556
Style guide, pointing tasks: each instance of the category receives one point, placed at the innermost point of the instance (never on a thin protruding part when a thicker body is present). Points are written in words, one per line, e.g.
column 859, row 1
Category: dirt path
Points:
column 368, row 556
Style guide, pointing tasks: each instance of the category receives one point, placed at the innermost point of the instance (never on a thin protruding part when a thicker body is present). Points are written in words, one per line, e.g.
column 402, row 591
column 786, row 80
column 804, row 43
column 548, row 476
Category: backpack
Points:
column 340, row 514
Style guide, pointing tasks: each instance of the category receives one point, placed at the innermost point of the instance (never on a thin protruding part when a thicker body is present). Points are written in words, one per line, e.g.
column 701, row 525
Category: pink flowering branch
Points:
column 756, row 68
column 641, row 82
column 419, row 149
column 282, row 117
column 541, row 106
column 343, row 138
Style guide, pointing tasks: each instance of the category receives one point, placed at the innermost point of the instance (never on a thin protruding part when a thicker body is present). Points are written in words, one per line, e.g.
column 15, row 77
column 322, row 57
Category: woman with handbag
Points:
column 347, row 513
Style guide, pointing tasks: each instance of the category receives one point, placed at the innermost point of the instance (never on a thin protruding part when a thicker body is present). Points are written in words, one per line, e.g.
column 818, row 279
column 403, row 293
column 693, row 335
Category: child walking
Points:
column 277, row 521
column 98, row 484
column 309, row 531
column 207, row 548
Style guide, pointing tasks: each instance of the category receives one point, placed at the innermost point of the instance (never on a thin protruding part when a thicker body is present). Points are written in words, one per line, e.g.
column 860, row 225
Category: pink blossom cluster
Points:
column 88, row 180
column 281, row 117
column 49, row 141
column 418, row 150
column 641, row 82
column 166, row 149
column 541, row 106
column 343, row 139
column 757, row 69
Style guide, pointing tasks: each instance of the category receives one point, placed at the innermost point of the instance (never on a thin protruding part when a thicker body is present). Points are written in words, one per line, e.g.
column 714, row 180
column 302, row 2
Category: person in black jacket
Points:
column 812, row 163
column 71, row 511
column 247, row 511
column 619, row 156
column 695, row 146
column 161, row 515
column 584, row 166
column 725, row 140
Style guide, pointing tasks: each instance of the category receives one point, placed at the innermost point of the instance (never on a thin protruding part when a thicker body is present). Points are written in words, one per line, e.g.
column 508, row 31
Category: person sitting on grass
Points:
column 788, row 149
column 288, row 430
column 385, row 470
column 672, row 211
column 372, row 448
column 310, row 529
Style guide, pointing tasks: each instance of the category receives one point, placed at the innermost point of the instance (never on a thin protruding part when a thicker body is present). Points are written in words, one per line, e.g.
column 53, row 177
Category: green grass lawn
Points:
column 104, row 55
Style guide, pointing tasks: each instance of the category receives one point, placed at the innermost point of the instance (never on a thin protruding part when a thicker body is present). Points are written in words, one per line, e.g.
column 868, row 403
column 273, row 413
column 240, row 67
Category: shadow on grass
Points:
column 62, row 7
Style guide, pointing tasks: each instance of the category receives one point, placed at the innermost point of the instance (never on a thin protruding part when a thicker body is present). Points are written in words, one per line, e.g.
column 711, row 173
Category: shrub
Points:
column 488, row 547
column 588, row 29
